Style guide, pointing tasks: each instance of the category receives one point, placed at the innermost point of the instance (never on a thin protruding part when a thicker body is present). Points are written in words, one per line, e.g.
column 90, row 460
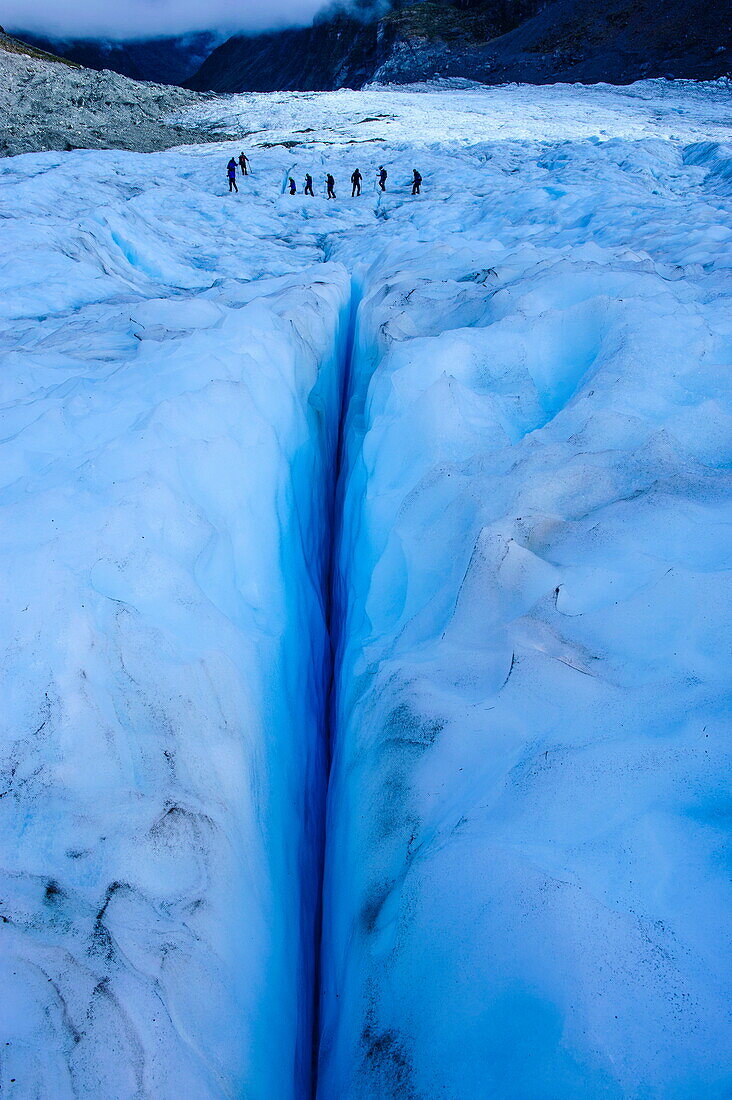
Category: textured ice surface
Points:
column 169, row 440
column 524, row 891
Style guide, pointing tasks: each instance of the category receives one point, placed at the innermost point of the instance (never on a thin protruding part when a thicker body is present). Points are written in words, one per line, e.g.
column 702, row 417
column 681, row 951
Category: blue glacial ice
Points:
column 389, row 537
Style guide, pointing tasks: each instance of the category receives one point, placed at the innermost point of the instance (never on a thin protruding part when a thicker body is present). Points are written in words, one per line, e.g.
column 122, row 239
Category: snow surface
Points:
column 525, row 891
column 441, row 114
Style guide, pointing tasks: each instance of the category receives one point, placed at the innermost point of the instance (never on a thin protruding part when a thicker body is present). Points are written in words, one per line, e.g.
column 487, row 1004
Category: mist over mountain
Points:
column 138, row 19
column 164, row 60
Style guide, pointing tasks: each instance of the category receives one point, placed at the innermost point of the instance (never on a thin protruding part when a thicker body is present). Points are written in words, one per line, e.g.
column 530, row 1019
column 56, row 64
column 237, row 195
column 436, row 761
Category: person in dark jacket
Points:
column 416, row 182
column 231, row 174
column 331, row 186
column 356, row 178
column 309, row 184
column 382, row 177
column 243, row 164
column 293, row 186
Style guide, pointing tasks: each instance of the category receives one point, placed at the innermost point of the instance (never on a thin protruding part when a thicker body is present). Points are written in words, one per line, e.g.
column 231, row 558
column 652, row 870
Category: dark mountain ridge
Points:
column 493, row 41
column 166, row 60
column 402, row 41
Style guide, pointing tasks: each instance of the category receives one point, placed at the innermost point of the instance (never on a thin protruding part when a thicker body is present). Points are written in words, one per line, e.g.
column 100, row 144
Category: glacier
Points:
column 393, row 764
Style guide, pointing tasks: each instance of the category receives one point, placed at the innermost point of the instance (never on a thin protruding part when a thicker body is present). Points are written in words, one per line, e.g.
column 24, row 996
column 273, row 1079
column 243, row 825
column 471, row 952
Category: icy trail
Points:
column 523, row 892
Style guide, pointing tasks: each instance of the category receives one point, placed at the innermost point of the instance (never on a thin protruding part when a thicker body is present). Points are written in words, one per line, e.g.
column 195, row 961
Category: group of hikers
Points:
column 356, row 179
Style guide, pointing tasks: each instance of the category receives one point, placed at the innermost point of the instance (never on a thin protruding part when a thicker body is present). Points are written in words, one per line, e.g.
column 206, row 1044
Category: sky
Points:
column 145, row 18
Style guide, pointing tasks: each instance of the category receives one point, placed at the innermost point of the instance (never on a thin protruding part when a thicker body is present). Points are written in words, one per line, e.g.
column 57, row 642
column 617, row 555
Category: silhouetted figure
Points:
column 231, row 173
column 293, row 187
column 308, row 184
column 416, row 182
column 243, row 163
column 382, row 177
column 356, row 178
column 331, row 186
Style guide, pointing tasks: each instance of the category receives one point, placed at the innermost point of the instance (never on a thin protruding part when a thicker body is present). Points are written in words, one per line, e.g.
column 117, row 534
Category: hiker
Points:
column 331, row 186
column 416, row 182
column 243, row 162
column 382, row 177
column 231, row 173
column 293, row 188
column 356, row 178
column 308, row 184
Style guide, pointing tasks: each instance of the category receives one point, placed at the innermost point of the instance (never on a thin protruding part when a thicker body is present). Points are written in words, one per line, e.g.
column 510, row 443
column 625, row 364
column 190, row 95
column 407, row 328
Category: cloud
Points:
column 148, row 18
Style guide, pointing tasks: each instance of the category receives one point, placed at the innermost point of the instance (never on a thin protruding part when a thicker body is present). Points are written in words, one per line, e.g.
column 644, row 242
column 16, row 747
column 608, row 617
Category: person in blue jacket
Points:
column 231, row 174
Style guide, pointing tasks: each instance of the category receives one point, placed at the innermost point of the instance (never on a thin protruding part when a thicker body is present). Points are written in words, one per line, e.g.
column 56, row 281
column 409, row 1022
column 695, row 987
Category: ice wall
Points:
column 524, row 893
column 166, row 493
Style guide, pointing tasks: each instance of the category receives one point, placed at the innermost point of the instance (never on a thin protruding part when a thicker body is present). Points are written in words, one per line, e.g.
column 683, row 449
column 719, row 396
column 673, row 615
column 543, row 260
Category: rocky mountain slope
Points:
column 494, row 41
column 48, row 103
